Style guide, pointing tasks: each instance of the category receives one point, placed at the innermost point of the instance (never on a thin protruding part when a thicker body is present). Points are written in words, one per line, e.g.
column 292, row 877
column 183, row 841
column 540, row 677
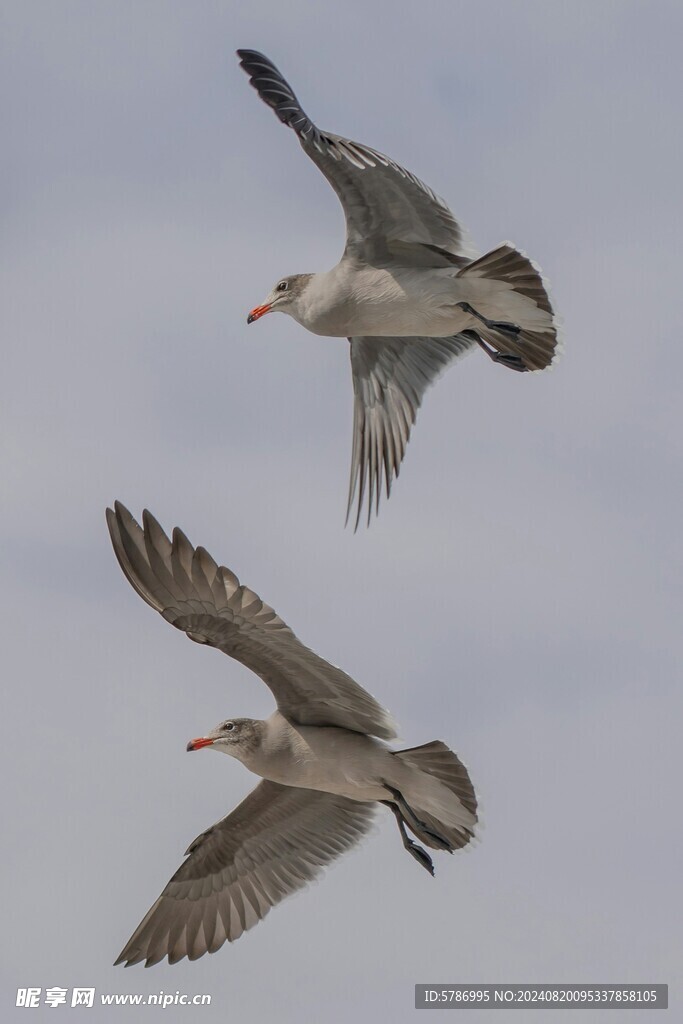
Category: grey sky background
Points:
column 519, row 596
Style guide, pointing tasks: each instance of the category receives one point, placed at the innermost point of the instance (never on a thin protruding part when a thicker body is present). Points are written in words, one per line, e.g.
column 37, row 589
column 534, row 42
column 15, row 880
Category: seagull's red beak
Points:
column 258, row 312
column 199, row 743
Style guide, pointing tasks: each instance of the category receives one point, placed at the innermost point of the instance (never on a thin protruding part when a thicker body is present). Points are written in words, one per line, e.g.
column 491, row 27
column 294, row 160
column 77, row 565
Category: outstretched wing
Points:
column 390, row 376
column 208, row 603
column 271, row 845
column 389, row 212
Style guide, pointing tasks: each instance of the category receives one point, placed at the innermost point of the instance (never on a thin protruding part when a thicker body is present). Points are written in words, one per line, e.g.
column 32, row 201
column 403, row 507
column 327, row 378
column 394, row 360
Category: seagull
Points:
column 321, row 757
column 409, row 292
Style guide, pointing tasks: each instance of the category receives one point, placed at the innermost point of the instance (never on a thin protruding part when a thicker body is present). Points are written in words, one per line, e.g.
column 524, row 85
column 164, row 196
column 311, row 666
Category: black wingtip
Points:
column 249, row 58
column 276, row 92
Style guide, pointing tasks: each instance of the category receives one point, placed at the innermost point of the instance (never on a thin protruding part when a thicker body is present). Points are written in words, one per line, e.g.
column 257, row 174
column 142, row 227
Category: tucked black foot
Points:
column 500, row 325
column 513, row 362
column 406, row 814
column 428, row 833
column 493, row 325
column 420, row 855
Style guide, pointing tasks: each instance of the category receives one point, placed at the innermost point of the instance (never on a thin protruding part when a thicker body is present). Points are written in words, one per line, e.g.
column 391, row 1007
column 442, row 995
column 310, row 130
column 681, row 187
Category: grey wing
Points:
column 391, row 216
column 275, row 842
column 210, row 605
column 390, row 376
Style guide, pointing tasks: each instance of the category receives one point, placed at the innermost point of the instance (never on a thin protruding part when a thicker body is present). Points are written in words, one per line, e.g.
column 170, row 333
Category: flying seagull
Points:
column 321, row 758
column 409, row 292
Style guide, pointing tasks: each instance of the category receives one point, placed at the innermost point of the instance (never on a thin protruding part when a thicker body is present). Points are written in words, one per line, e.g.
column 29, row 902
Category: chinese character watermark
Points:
column 83, row 997
column 55, row 996
column 28, row 997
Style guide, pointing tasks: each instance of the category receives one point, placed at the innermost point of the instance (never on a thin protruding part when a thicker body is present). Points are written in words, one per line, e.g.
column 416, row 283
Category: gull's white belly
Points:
column 400, row 302
column 408, row 302
column 328, row 759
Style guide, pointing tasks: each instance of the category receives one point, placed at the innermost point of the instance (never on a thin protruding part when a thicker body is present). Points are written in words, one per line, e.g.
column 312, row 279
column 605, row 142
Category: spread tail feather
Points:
column 449, row 809
column 507, row 286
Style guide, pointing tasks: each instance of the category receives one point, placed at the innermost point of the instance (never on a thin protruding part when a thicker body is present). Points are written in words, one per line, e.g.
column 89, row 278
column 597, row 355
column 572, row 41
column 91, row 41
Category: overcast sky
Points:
column 519, row 596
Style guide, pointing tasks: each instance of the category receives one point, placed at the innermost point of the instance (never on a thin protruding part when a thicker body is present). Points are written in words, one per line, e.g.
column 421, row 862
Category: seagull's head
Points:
column 284, row 297
column 238, row 737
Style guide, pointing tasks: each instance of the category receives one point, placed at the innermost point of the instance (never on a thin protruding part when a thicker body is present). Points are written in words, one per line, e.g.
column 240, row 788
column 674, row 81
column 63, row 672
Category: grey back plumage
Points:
column 383, row 202
column 207, row 602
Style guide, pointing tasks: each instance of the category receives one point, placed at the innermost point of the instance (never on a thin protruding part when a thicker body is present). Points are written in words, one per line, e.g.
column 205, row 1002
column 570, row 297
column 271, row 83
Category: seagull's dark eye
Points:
column 228, row 727
column 282, row 287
